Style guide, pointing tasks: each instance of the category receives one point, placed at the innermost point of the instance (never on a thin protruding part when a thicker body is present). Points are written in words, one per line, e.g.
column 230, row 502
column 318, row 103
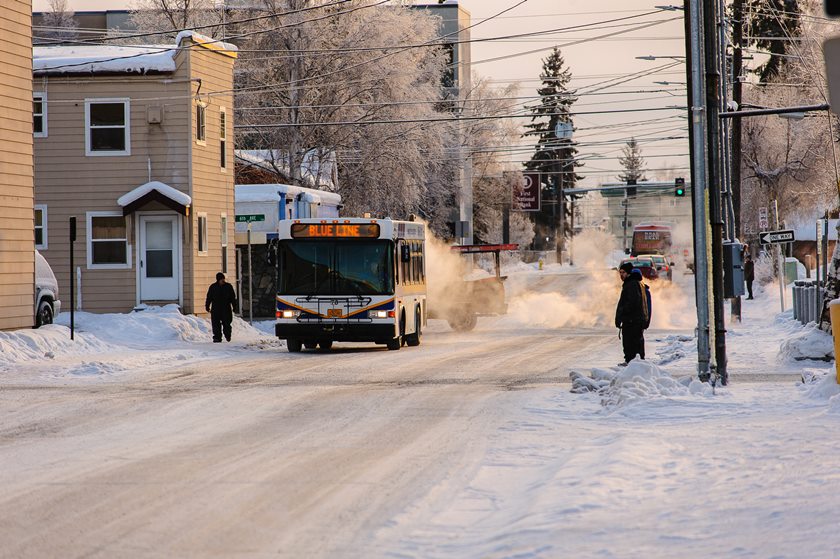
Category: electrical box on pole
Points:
column 832, row 8
column 679, row 186
column 733, row 270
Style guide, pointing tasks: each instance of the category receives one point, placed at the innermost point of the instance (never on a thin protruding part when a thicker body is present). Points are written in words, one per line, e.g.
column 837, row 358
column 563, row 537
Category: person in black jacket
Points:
column 749, row 273
column 631, row 313
column 221, row 304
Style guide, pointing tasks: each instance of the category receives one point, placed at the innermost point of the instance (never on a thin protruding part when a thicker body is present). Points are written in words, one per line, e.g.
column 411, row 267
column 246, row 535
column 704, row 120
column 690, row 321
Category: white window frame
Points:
column 223, row 139
column 43, row 98
column 201, row 236
column 223, row 220
column 127, row 127
column 201, row 123
column 43, row 226
column 89, row 243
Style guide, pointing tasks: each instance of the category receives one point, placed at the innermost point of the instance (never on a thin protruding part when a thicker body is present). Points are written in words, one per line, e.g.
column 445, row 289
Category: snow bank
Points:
column 811, row 343
column 154, row 326
column 642, row 380
column 45, row 343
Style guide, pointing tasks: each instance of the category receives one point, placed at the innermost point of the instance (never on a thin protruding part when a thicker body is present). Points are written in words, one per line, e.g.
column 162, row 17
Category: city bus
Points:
column 651, row 238
column 350, row 280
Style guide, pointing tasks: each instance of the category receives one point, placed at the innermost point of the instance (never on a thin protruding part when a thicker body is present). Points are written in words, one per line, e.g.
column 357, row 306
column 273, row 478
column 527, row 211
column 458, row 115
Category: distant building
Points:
column 17, row 234
column 137, row 144
column 453, row 29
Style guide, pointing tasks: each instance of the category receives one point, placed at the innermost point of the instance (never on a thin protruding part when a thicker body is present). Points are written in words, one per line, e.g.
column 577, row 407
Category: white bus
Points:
column 350, row 280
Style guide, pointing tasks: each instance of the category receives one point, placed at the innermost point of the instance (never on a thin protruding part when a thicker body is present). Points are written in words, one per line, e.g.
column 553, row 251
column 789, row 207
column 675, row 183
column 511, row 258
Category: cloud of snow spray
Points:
column 583, row 295
column 586, row 294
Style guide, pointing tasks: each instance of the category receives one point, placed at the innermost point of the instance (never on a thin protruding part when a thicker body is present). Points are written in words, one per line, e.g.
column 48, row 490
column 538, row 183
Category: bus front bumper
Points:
column 336, row 331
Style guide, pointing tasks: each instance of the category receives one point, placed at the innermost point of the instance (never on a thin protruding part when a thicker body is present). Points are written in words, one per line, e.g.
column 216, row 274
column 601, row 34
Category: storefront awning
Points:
column 155, row 191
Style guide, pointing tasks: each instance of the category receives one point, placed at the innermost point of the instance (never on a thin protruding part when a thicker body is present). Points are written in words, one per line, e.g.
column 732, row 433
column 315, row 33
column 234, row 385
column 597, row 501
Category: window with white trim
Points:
column 200, row 122
column 41, row 226
column 39, row 115
column 202, row 234
column 107, row 127
column 107, row 240
column 224, row 242
column 223, row 138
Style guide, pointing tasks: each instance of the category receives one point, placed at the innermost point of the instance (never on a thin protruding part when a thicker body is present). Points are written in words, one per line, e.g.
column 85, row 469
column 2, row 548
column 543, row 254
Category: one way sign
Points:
column 768, row 237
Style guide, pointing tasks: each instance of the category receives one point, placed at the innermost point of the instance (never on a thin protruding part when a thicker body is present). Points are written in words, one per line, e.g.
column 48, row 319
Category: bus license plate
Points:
column 334, row 313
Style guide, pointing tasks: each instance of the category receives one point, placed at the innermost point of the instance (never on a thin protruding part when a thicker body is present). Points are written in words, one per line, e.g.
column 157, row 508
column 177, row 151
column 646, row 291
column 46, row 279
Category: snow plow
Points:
column 462, row 301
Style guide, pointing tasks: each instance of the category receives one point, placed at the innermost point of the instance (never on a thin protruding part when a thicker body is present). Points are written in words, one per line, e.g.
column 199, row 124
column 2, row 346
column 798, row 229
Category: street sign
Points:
column 250, row 218
column 762, row 218
column 769, row 237
column 526, row 195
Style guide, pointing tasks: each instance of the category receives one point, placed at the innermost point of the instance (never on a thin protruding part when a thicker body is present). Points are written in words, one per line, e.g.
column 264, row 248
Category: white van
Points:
column 47, row 303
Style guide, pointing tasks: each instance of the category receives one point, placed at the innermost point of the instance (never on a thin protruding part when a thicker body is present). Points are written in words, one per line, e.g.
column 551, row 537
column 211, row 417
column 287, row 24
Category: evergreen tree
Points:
column 554, row 157
column 770, row 25
column 632, row 162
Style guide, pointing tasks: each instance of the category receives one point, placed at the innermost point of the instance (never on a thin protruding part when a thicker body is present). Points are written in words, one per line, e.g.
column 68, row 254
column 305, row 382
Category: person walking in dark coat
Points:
column 221, row 304
column 749, row 273
column 631, row 313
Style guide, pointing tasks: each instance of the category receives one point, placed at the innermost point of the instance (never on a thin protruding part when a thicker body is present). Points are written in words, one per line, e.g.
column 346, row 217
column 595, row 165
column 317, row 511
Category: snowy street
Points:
column 471, row 445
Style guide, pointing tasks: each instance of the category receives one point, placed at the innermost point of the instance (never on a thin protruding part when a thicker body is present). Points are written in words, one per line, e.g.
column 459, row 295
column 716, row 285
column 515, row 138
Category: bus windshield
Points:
column 336, row 267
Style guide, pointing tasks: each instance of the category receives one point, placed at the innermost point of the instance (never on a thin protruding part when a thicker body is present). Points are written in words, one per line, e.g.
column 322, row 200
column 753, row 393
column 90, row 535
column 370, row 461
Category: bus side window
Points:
column 412, row 268
column 397, row 274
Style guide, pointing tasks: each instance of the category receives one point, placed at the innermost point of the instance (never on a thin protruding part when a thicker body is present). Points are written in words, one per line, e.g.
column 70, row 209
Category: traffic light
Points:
column 679, row 186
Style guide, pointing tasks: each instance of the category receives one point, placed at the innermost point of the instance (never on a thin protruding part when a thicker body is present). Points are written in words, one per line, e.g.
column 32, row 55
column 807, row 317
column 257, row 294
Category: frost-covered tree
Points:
column 153, row 16
column 59, row 24
column 632, row 161
column 554, row 157
column 329, row 85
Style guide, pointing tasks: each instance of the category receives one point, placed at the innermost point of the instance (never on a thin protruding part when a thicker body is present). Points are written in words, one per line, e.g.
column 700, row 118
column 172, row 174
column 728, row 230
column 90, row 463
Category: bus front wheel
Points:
column 293, row 345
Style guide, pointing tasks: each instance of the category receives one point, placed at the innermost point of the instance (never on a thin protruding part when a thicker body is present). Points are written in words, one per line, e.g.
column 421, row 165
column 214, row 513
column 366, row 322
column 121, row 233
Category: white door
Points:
column 159, row 258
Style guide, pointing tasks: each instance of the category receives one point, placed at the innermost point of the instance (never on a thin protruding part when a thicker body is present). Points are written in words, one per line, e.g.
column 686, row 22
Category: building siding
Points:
column 213, row 189
column 169, row 149
column 17, row 238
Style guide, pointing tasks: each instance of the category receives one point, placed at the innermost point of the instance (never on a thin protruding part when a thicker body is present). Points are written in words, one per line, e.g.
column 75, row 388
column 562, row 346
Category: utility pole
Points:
column 715, row 175
column 737, row 97
column 698, row 120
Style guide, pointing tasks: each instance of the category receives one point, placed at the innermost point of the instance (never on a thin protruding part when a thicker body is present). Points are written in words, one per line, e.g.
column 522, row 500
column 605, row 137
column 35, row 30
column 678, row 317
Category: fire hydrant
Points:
column 541, row 263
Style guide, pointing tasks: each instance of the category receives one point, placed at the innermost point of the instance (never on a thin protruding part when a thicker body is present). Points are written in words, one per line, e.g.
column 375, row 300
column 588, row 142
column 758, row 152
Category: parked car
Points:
column 645, row 265
column 47, row 303
column 664, row 268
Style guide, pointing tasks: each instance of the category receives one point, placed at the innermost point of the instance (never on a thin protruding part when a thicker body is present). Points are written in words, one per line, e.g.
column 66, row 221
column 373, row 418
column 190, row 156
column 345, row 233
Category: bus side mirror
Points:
column 405, row 253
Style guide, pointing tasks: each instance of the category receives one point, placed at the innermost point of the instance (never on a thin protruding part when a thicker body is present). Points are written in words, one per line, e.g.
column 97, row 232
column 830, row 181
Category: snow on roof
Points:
column 271, row 193
column 135, row 59
column 89, row 59
column 144, row 189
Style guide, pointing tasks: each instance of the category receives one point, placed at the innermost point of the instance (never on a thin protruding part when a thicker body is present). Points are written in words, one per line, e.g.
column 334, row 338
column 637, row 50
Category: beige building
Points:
column 17, row 242
column 137, row 144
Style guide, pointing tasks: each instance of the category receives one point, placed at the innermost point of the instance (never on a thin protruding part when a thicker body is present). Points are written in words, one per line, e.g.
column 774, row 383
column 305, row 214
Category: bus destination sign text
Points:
column 333, row 230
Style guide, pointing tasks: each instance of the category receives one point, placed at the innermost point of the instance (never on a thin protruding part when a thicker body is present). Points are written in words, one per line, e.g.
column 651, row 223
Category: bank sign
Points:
column 526, row 195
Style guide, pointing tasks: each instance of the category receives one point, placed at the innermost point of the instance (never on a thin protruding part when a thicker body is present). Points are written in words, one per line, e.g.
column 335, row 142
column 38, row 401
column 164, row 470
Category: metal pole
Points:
column 626, row 203
column 715, row 177
column 735, row 162
column 694, row 23
column 72, row 280
column 781, row 266
column 572, row 232
column 250, row 279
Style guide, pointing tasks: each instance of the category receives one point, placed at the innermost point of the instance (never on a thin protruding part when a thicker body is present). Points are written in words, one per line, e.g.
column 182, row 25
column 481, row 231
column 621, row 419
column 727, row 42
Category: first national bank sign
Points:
column 526, row 195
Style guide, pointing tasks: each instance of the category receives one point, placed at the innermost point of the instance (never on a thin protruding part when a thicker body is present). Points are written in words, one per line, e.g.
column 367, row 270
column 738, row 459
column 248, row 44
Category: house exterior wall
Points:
column 212, row 187
column 17, row 238
column 69, row 183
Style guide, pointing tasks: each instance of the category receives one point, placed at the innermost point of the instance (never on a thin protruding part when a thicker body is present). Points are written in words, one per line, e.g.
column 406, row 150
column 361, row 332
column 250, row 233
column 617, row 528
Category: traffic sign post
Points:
column 762, row 219
column 773, row 237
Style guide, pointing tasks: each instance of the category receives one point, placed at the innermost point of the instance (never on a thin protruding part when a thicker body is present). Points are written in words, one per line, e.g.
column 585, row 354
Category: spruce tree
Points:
column 554, row 157
column 771, row 26
column 633, row 163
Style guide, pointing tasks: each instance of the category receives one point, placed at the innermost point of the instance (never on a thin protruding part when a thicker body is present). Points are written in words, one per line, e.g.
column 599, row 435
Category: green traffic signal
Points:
column 679, row 186
column 679, row 191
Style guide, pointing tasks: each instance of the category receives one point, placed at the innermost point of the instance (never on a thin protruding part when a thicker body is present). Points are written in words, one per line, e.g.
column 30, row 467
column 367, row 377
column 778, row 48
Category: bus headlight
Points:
column 380, row 314
column 288, row 313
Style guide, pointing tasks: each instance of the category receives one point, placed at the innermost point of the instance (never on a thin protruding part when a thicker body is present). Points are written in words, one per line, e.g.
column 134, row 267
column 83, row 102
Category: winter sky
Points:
column 591, row 62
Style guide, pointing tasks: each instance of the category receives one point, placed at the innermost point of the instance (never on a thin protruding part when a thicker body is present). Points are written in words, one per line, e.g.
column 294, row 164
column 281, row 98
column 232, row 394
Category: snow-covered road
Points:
column 471, row 445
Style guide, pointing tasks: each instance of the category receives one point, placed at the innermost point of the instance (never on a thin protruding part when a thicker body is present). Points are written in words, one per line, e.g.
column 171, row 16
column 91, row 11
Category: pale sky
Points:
column 590, row 63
